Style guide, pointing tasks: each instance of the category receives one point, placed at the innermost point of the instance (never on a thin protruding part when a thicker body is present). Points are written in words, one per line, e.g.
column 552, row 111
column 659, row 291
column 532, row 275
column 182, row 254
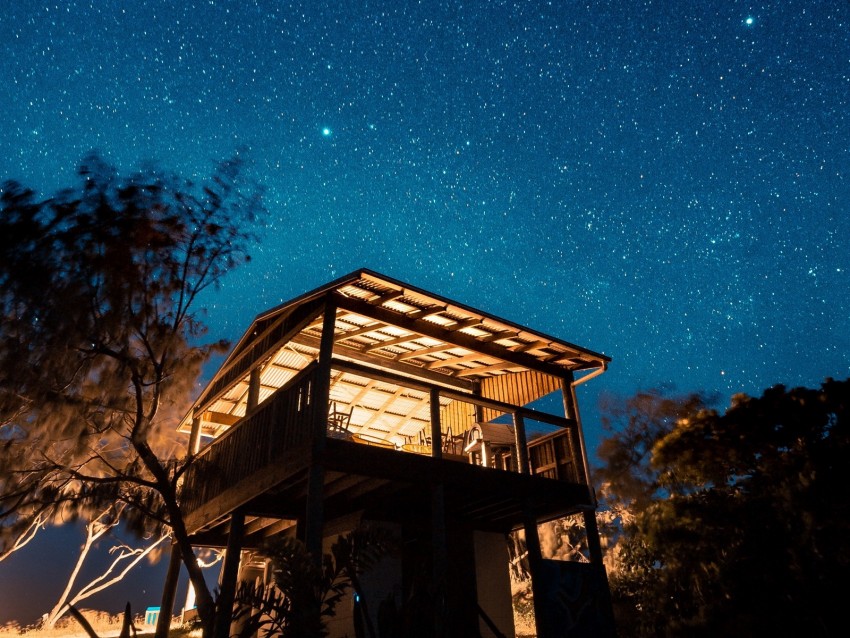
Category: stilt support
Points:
column 224, row 606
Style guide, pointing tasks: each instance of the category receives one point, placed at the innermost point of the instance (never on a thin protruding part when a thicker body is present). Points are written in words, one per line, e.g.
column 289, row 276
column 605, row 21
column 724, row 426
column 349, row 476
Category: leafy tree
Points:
column 303, row 595
column 100, row 342
column 735, row 523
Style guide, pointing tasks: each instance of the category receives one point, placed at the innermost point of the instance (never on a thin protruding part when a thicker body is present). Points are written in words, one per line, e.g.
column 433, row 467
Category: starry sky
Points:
column 664, row 182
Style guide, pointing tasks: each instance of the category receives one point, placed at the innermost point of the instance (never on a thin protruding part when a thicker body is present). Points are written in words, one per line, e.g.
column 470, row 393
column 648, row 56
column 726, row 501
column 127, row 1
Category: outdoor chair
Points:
column 338, row 422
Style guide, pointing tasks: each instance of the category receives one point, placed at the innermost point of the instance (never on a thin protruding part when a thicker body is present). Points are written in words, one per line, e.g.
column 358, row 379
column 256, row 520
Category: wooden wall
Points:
column 518, row 388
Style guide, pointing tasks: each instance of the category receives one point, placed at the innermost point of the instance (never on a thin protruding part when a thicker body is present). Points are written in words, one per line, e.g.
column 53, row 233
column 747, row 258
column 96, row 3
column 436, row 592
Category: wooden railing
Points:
column 556, row 455
column 279, row 424
column 284, row 421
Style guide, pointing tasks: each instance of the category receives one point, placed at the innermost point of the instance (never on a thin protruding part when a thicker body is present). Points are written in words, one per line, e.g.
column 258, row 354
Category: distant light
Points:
column 750, row 21
column 326, row 132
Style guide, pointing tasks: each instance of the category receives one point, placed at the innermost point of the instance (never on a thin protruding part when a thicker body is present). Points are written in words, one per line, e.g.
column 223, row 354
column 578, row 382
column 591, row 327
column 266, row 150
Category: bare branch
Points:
column 25, row 537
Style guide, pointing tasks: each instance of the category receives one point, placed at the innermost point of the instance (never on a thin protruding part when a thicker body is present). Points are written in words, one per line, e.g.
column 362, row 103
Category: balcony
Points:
column 425, row 432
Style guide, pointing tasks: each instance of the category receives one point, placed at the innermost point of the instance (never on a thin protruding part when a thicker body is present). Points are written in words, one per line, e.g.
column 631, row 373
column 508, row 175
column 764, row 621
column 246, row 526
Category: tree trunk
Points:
column 203, row 598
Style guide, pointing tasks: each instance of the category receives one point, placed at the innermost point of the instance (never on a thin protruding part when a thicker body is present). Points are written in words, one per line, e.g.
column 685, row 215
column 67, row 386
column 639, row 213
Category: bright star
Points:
column 750, row 21
column 326, row 132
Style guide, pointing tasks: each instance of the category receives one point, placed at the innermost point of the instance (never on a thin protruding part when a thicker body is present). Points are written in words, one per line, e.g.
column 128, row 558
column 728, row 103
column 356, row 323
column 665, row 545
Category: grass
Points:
column 103, row 623
column 106, row 625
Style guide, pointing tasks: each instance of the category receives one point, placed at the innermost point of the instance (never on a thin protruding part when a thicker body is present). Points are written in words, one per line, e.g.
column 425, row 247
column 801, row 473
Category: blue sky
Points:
column 664, row 182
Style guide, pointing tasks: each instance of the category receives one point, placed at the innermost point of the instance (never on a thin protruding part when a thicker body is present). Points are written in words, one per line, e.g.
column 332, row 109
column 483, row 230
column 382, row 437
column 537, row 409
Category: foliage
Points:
column 100, row 341
column 303, row 595
column 101, row 622
column 733, row 523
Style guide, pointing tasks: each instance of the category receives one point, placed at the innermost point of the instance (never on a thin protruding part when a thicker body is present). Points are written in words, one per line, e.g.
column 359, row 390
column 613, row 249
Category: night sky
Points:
column 664, row 182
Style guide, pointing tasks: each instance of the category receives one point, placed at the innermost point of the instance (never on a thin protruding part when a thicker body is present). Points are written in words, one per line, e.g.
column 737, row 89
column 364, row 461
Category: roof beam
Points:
column 359, row 331
column 439, row 363
column 380, row 411
column 454, row 395
column 427, row 312
column 388, row 364
column 397, row 427
column 498, row 336
column 393, row 342
column 434, row 331
column 498, row 367
column 239, row 362
column 425, row 351
column 362, row 393
column 534, row 345
column 466, row 323
column 219, row 418
column 387, row 297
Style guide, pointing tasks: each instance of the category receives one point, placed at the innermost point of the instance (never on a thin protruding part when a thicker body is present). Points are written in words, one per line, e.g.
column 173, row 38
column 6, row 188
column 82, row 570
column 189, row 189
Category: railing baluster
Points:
column 253, row 443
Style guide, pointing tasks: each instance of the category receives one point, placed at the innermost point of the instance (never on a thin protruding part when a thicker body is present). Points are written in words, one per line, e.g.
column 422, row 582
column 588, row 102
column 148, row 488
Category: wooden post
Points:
column 314, row 518
column 314, row 523
column 230, row 571
column 590, row 527
column 439, row 548
column 592, row 531
column 535, row 564
column 253, row 389
column 169, row 593
column 479, row 411
column 571, row 412
column 439, row 556
column 195, row 436
column 521, row 444
column 436, row 429
column 321, row 389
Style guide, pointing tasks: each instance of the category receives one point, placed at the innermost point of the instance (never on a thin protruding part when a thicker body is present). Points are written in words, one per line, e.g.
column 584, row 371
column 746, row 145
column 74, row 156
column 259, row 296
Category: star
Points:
column 750, row 21
column 326, row 132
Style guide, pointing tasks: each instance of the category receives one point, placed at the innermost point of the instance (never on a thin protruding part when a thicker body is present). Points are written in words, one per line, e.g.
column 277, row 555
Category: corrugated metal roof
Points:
column 414, row 332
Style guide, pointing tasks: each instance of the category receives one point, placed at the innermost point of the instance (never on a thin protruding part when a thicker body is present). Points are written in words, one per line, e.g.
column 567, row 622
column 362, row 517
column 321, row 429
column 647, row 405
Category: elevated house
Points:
column 371, row 400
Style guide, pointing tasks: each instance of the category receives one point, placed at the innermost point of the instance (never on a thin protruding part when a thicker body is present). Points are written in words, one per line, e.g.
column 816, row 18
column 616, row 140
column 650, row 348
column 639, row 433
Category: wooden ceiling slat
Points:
column 277, row 527
column 395, row 429
column 359, row 331
column 426, row 312
column 534, row 345
column 386, row 363
column 393, row 342
column 475, row 356
column 382, row 410
column 258, row 524
column 466, row 323
column 240, row 361
column 498, row 336
column 499, row 367
column 428, row 329
column 386, row 298
column 363, row 392
column 395, row 415
column 425, row 351
column 219, row 418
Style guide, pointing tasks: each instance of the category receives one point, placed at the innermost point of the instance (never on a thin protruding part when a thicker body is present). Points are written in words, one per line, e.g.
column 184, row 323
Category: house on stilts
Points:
column 372, row 401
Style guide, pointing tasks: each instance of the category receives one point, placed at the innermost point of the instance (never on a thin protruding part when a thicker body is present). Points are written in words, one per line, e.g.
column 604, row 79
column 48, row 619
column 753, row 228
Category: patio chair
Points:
column 338, row 422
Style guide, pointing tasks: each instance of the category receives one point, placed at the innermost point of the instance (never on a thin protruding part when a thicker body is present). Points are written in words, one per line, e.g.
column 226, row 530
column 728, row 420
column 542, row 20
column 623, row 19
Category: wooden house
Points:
column 369, row 399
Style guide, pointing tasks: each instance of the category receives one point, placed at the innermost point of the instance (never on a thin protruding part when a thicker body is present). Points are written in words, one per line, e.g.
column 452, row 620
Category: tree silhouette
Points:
column 101, row 341
column 732, row 524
